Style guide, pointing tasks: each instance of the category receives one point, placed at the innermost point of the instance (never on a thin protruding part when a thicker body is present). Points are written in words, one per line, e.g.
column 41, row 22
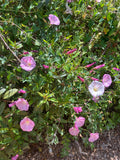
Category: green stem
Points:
column 2, row 38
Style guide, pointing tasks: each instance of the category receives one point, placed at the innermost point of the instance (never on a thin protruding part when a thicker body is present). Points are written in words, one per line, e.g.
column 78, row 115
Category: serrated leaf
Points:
column 2, row 91
column 2, row 107
column 10, row 93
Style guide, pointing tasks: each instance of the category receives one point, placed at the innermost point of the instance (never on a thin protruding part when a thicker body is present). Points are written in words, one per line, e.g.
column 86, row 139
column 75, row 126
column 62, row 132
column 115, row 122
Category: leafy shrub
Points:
column 88, row 33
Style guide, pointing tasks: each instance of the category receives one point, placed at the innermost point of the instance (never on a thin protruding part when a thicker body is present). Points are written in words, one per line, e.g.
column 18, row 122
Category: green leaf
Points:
column 10, row 93
column 2, row 107
column 53, row 100
column 2, row 91
column 40, row 94
column 37, row 43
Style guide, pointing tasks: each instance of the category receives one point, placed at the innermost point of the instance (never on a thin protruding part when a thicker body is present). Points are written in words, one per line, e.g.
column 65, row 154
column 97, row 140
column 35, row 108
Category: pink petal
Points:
column 27, row 124
column 93, row 137
column 107, row 80
column 54, row 19
column 15, row 157
column 79, row 121
column 28, row 63
column 74, row 131
column 22, row 104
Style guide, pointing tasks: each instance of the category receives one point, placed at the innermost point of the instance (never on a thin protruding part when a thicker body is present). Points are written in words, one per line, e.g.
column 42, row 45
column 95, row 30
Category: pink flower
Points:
column 15, row 157
column 54, row 19
column 79, row 121
column 93, row 137
column 25, row 53
column 77, row 109
column 11, row 104
column 94, row 79
column 99, row 66
column 21, row 91
column 45, row 66
column 22, row 104
column 28, row 63
column 27, row 124
column 117, row 69
column 89, row 65
column 81, row 78
column 107, row 80
column 71, row 51
column 74, row 131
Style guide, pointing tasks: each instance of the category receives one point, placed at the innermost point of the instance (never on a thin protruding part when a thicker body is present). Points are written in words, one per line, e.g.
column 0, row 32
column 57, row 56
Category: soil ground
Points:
column 106, row 148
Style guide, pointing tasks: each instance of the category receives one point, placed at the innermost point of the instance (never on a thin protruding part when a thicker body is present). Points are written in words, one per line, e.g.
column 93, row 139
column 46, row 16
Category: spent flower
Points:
column 45, row 66
column 116, row 69
column 71, row 51
column 22, row 91
column 89, row 65
column 11, row 104
column 77, row 109
column 82, row 80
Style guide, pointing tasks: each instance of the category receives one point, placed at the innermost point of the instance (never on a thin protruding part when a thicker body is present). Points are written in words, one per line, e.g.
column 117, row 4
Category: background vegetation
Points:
column 94, row 29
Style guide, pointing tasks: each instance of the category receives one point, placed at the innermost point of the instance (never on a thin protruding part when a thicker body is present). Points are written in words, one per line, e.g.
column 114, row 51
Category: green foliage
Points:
column 52, row 93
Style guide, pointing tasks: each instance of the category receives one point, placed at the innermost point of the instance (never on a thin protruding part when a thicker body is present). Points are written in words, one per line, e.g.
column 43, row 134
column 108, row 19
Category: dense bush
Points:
column 88, row 33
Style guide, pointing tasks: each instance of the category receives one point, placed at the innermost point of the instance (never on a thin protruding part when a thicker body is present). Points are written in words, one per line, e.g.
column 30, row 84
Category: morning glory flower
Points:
column 27, row 124
column 28, row 63
column 93, row 137
column 96, row 88
column 74, row 131
column 54, row 19
column 79, row 122
column 107, row 80
column 22, row 104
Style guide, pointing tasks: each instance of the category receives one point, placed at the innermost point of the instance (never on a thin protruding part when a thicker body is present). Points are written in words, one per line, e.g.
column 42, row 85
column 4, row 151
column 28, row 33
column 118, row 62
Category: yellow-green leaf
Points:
column 2, row 91
column 10, row 93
